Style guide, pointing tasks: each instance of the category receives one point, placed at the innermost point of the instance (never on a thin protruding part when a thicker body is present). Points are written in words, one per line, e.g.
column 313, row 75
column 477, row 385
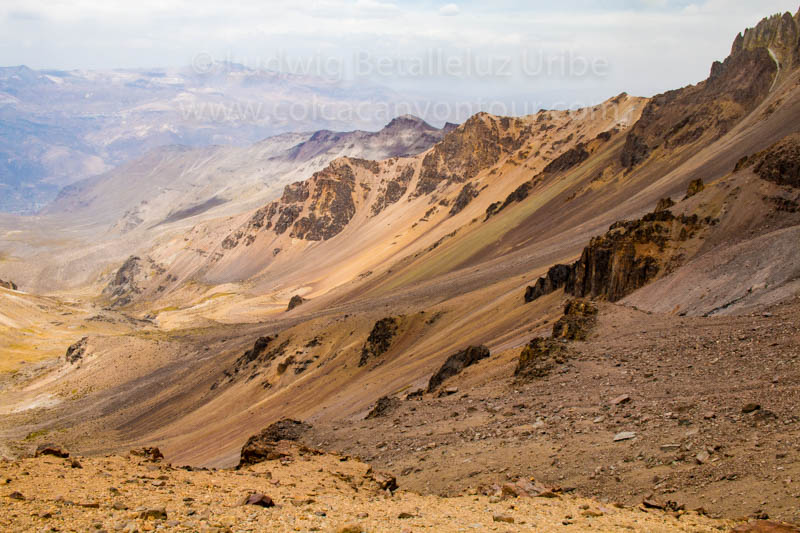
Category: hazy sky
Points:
column 571, row 50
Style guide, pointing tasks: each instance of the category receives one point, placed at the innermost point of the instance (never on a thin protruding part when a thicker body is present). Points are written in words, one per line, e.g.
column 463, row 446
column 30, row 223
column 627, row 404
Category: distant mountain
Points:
column 176, row 182
column 59, row 127
column 105, row 218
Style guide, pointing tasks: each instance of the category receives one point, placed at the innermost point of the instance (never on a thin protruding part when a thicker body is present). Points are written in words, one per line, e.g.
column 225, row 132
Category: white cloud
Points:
column 449, row 10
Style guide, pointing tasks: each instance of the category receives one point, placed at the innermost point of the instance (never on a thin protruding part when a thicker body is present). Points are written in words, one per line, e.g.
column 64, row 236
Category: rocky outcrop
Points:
column 131, row 280
column 295, row 301
column 695, row 187
column 779, row 33
column 52, row 450
column 542, row 355
column 379, row 340
column 701, row 113
column 331, row 206
column 265, row 445
column 578, row 320
column 394, row 189
column 570, row 159
column 477, row 145
column 467, row 194
column 124, row 286
column 10, row 285
column 383, row 407
column 780, row 163
column 76, row 352
column 628, row 256
column 556, row 278
column 539, row 357
column 456, row 363
column 253, row 361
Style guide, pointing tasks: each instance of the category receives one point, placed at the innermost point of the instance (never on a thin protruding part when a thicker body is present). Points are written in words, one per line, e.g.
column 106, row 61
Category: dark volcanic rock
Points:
column 556, row 278
column 780, row 163
column 578, row 320
column 8, row 285
column 76, row 352
column 627, row 257
column 467, row 194
column 379, row 340
column 456, row 363
column 288, row 215
column 295, row 301
column 519, row 194
column 51, row 449
column 384, row 406
column 539, row 357
column 569, row 159
column 263, row 446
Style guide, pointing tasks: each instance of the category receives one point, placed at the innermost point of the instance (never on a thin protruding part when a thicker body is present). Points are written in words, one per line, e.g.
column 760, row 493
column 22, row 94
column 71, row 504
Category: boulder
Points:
column 156, row 513
column 10, row 285
column 264, row 445
column 258, row 499
column 456, row 363
column 51, row 449
column 149, row 453
column 382, row 479
column 384, row 406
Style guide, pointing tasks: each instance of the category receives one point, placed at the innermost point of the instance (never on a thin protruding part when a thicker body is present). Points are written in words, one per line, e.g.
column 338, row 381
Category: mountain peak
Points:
column 408, row 121
column 779, row 34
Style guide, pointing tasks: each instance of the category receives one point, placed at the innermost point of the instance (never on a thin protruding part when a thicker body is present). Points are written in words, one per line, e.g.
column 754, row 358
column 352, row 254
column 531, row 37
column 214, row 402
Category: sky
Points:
column 533, row 52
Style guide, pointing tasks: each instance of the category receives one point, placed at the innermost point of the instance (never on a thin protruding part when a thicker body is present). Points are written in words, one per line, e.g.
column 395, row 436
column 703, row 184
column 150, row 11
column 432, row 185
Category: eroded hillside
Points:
column 432, row 313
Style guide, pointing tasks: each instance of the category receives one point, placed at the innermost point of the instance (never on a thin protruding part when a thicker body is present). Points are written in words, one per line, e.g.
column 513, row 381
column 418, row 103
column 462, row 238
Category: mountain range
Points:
column 59, row 127
column 600, row 301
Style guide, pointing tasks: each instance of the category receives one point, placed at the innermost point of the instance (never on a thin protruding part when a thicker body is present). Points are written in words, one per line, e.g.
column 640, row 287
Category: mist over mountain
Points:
column 58, row 127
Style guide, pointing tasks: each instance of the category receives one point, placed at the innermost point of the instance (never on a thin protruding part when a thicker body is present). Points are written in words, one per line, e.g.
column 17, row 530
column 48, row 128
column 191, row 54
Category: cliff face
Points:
column 708, row 110
column 628, row 256
column 462, row 154
column 779, row 33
